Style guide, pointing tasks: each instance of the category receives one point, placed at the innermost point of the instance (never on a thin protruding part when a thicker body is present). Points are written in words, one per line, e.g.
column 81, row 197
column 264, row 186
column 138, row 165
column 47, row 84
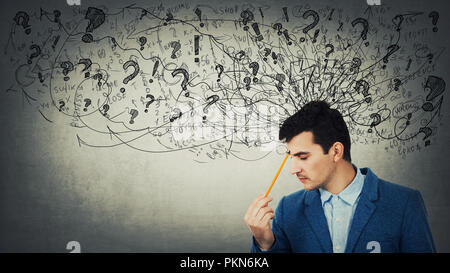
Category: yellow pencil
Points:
column 276, row 176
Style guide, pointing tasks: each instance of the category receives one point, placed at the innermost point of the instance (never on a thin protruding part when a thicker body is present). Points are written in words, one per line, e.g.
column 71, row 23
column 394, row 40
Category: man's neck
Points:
column 344, row 175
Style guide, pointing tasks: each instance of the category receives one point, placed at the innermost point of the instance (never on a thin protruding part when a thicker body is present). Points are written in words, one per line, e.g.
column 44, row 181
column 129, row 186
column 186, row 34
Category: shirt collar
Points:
column 350, row 193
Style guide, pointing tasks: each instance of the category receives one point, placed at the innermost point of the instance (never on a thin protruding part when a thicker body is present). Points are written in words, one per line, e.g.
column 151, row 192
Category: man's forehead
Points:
column 304, row 139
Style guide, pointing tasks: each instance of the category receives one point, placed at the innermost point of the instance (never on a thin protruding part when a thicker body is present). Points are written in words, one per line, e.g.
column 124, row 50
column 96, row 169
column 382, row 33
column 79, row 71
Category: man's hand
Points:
column 258, row 218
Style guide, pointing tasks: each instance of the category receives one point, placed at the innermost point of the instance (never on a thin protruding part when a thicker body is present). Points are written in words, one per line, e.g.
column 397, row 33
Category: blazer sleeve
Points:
column 416, row 233
column 281, row 243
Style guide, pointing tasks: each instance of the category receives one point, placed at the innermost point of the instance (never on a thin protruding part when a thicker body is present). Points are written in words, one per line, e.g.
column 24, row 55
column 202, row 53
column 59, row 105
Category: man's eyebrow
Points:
column 299, row 153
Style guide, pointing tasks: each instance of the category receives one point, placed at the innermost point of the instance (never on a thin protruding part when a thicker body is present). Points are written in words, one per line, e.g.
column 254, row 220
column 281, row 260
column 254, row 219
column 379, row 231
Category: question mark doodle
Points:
column 57, row 15
column 134, row 113
column 220, row 67
column 211, row 100
column 278, row 27
column 356, row 63
column 99, row 77
column 127, row 64
column 398, row 20
column 246, row 16
column 435, row 16
column 142, row 42
column 105, row 109
column 247, row 81
column 240, row 55
column 365, row 25
column 96, row 18
column 152, row 99
column 169, row 17
column 67, row 67
column 374, row 246
column 87, row 103
column 266, row 53
column 280, row 78
column 143, row 14
column 176, row 46
column 376, row 120
column 307, row 14
column 286, row 35
column 274, row 57
column 365, row 90
column 74, row 246
column 87, row 64
column 427, row 131
column 391, row 49
column 185, row 80
column 255, row 67
column 24, row 22
column 331, row 50
column 37, row 52
column 435, row 86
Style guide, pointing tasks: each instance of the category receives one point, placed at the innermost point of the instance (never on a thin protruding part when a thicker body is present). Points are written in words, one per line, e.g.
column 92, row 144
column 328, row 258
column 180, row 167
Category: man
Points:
column 342, row 208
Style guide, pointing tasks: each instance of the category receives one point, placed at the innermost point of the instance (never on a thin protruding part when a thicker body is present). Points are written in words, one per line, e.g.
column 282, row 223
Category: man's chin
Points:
column 310, row 186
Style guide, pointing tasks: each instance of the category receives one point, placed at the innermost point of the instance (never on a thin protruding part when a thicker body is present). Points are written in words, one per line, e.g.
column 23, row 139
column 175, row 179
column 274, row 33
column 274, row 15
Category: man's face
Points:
column 313, row 168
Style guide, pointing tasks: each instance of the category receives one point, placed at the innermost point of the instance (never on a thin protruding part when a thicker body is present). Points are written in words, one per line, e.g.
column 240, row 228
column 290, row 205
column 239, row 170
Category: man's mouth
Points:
column 303, row 179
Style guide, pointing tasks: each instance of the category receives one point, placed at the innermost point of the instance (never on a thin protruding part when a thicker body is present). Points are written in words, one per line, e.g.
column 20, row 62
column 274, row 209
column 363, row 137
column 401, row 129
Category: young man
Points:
column 342, row 208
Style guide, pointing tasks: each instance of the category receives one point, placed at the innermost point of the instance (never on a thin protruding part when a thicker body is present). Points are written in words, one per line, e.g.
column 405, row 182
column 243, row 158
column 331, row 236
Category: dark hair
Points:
column 326, row 125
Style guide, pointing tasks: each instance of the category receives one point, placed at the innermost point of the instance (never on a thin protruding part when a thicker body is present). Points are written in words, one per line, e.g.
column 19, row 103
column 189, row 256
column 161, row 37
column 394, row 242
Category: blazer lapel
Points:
column 316, row 218
column 363, row 212
column 364, row 209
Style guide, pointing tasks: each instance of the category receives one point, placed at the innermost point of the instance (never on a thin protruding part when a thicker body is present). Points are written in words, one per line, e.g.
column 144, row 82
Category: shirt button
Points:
column 338, row 219
column 338, row 247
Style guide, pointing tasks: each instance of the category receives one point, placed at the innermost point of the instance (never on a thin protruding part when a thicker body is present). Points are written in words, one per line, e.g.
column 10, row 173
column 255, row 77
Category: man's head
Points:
column 317, row 139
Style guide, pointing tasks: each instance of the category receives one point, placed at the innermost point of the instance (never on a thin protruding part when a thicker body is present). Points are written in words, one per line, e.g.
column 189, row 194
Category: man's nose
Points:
column 296, row 166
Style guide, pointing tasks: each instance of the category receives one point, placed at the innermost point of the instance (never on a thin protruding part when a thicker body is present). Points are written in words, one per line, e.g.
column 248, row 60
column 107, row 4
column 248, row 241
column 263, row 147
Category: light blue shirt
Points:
column 339, row 210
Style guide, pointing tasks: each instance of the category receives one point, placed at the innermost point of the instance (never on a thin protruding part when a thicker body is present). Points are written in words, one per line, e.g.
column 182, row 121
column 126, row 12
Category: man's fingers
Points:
column 262, row 212
column 255, row 207
column 251, row 209
column 258, row 198
column 261, row 203
column 264, row 202
column 267, row 217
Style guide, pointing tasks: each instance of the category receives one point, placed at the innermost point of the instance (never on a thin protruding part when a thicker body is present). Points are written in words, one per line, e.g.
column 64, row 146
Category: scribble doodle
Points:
column 218, row 81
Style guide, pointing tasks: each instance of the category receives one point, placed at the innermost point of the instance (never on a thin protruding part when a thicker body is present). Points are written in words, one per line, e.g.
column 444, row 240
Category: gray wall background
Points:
column 121, row 200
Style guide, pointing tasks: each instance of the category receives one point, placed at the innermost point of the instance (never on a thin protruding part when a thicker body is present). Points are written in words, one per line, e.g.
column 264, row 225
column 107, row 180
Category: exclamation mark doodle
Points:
column 316, row 33
column 155, row 68
column 286, row 14
column 255, row 27
column 196, row 41
column 199, row 14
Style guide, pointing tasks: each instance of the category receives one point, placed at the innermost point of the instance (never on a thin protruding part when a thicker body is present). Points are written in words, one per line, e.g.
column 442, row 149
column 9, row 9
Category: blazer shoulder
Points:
column 395, row 192
column 294, row 199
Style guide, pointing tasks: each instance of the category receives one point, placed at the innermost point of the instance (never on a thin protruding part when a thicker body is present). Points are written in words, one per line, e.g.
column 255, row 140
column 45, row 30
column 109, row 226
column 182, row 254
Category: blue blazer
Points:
column 388, row 218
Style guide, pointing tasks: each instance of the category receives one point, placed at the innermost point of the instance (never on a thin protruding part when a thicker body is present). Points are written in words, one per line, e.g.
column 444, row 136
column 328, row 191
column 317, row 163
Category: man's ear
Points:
column 337, row 151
